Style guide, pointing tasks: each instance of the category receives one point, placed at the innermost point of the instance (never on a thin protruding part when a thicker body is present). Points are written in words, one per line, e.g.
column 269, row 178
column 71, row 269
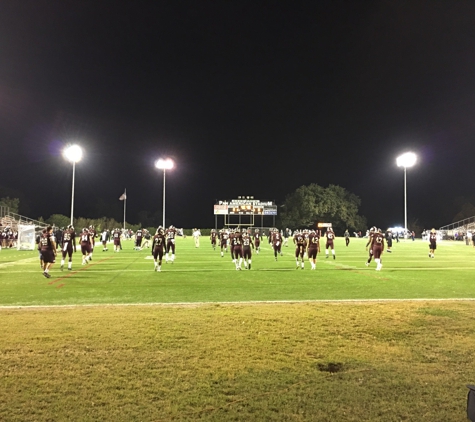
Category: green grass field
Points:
column 206, row 342
column 201, row 275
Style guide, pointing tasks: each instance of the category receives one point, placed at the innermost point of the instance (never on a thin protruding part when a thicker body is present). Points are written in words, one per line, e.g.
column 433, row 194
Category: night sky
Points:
column 249, row 98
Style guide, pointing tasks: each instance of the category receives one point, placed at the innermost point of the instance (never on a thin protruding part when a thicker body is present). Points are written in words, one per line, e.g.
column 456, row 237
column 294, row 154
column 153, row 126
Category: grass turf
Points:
column 201, row 275
column 288, row 361
column 403, row 361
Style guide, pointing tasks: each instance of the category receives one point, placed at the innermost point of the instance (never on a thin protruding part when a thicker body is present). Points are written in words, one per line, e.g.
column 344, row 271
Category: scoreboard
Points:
column 245, row 207
column 245, row 210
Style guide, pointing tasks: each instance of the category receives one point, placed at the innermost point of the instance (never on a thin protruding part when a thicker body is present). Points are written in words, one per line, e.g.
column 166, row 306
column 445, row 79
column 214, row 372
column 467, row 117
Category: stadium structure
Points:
column 458, row 230
column 27, row 228
column 245, row 211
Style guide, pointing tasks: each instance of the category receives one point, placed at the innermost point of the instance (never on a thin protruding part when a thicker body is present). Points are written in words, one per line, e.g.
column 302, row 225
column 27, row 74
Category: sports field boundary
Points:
column 250, row 302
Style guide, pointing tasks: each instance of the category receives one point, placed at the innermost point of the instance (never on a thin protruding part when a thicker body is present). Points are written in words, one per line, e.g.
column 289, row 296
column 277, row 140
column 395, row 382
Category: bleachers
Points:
column 458, row 229
column 8, row 221
column 12, row 220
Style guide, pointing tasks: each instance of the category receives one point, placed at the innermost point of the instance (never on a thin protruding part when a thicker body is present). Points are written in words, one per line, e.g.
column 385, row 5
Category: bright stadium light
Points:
column 73, row 154
column 406, row 160
column 166, row 164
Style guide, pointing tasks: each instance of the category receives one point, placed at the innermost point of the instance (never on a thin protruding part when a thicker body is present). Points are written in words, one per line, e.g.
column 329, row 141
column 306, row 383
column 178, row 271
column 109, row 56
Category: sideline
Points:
column 251, row 302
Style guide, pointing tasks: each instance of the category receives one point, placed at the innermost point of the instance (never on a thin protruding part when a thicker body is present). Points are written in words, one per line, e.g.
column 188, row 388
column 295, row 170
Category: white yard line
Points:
column 251, row 302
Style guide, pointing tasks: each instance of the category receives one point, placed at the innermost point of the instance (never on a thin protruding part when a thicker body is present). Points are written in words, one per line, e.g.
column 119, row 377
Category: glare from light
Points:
column 166, row 164
column 406, row 160
column 72, row 153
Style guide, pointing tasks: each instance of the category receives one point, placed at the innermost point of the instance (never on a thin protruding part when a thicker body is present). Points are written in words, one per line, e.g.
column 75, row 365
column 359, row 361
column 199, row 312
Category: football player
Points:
column 86, row 244
column 236, row 248
column 377, row 246
column 246, row 248
column 158, row 244
column 69, row 243
column 432, row 243
column 330, row 235
column 300, row 248
column 171, row 236
column 313, row 248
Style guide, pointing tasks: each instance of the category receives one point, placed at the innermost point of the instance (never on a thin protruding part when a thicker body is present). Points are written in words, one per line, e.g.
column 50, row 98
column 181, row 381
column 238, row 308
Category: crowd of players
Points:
column 66, row 241
column 240, row 242
column 8, row 237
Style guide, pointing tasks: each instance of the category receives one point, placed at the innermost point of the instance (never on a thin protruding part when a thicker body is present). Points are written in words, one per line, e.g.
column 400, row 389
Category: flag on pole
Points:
column 122, row 197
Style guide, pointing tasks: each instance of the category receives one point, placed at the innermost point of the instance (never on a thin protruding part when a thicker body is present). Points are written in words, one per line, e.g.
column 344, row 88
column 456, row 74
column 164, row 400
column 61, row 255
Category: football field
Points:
column 116, row 341
column 202, row 275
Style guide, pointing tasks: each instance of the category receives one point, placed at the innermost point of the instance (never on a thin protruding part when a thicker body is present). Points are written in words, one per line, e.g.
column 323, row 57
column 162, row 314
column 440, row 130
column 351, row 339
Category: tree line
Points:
column 303, row 208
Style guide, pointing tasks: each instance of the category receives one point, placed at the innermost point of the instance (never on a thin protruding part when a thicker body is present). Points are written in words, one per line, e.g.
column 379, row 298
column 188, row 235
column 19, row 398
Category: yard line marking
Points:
column 20, row 261
column 250, row 302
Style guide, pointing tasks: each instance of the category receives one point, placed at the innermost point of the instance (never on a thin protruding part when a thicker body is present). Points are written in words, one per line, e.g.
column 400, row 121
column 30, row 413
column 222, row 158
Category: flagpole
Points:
column 125, row 204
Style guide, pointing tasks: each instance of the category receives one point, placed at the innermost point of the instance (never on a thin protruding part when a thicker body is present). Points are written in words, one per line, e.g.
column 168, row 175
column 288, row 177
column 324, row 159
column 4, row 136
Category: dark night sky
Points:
column 250, row 98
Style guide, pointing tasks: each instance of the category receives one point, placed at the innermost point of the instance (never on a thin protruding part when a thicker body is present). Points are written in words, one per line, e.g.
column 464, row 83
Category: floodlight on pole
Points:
column 73, row 154
column 165, row 164
column 406, row 160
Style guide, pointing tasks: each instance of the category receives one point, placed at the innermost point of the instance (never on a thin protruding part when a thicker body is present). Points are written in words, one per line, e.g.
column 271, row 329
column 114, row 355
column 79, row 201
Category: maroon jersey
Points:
column 69, row 242
column 158, row 244
column 246, row 245
column 116, row 237
column 213, row 236
column 276, row 239
column 85, row 238
column 47, row 242
column 93, row 234
column 236, row 239
column 224, row 236
column 330, row 237
column 158, row 241
column 377, row 244
column 313, row 240
column 247, row 241
column 299, row 240
column 171, row 233
column 313, row 245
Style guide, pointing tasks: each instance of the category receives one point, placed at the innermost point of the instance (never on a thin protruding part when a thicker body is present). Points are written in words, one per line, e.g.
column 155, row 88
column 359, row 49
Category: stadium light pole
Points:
column 165, row 164
column 73, row 154
column 406, row 160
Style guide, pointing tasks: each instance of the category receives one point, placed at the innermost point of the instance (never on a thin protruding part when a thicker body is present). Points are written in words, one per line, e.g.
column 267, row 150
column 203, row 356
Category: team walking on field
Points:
column 240, row 242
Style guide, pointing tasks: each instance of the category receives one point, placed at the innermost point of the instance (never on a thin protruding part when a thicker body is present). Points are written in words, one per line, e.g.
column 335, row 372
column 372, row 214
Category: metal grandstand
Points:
column 461, row 227
column 12, row 219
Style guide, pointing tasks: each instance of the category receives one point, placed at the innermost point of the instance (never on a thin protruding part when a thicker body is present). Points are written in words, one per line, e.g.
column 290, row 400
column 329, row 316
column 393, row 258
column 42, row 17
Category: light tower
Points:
column 73, row 154
column 165, row 164
column 406, row 160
